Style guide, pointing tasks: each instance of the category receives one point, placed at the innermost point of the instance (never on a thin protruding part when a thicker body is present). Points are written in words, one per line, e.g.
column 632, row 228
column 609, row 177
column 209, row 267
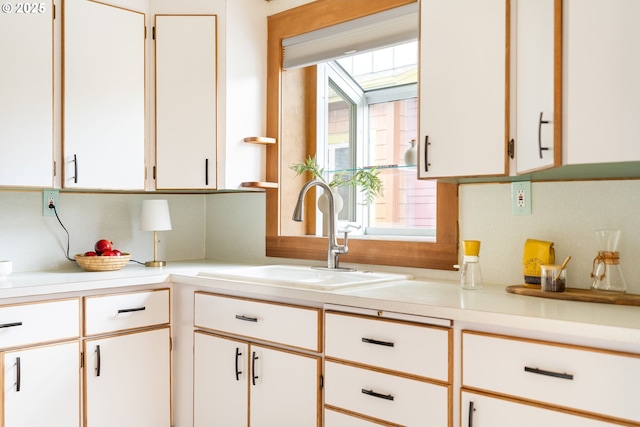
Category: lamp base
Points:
column 155, row 263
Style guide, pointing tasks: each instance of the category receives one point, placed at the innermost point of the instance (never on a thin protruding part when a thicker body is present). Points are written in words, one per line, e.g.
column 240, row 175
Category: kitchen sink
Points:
column 304, row 277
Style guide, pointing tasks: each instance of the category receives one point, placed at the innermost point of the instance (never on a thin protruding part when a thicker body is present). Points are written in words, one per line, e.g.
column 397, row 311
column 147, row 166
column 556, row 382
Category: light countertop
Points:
column 491, row 306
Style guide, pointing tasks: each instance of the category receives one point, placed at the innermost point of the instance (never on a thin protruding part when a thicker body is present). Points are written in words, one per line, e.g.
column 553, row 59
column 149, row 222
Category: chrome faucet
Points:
column 334, row 249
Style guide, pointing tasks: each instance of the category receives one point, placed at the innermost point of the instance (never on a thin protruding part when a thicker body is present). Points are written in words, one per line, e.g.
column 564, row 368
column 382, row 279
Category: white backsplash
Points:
column 231, row 227
column 566, row 213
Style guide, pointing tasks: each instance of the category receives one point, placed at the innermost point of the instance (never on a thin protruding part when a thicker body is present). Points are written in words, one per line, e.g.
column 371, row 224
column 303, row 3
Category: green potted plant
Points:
column 366, row 180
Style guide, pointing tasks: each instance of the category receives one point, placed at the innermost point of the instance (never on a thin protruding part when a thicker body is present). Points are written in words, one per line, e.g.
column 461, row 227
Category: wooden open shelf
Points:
column 260, row 184
column 260, row 140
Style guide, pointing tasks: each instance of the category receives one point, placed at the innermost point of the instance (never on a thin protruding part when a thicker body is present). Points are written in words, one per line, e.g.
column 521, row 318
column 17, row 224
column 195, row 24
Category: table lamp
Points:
column 155, row 217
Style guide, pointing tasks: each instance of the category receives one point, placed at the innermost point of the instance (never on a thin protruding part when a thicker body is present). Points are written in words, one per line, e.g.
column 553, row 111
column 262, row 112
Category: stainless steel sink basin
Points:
column 304, row 277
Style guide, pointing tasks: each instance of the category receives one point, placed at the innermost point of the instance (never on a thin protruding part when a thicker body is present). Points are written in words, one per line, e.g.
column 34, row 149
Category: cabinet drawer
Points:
column 273, row 322
column 399, row 346
column 119, row 312
column 39, row 322
column 338, row 419
column 572, row 377
column 386, row 397
column 489, row 411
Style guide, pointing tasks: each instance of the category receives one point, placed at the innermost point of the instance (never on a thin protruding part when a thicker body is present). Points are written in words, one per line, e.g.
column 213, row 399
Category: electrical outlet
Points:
column 521, row 198
column 48, row 197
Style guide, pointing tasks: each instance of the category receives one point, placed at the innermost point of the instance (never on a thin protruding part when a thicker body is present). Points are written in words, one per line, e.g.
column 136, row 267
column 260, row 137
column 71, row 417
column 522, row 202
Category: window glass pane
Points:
column 341, row 146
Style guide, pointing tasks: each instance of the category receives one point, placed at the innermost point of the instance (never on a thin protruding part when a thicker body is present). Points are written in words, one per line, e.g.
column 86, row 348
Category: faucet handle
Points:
column 345, row 248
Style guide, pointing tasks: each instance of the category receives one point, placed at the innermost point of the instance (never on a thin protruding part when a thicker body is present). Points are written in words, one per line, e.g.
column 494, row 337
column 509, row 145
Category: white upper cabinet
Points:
column 537, row 124
column 463, row 88
column 186, row 101
column 104, row 96
column 601, row 87
column 26, row 94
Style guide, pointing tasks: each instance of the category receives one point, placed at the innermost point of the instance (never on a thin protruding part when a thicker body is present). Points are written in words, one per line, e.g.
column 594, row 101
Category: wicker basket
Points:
column 102, row 263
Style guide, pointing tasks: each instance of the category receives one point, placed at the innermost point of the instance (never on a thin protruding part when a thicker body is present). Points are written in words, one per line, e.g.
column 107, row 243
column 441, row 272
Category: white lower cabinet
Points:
column 42, row 386
column 239, row 384
column 241, row 381
column 586, row 383
column 386, row 371
column 127, row 380
column 127, row 359
column 480, row 410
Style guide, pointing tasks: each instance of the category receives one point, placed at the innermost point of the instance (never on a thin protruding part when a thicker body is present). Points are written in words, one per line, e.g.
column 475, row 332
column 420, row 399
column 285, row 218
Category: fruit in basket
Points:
column 115, row 252
column 103, row 245
column 107, row 253
column 90, row 253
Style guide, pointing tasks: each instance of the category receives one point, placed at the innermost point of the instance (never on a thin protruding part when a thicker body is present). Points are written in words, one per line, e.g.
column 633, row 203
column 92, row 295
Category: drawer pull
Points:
column 376, row 342
column 10, row 325
column 548, row 373
column 254, row 377
column 238, row 372
column 378, row 395
column 18, row 372
column 131, row 310
column 471, row 411
column 246, row 318
column 97, row 361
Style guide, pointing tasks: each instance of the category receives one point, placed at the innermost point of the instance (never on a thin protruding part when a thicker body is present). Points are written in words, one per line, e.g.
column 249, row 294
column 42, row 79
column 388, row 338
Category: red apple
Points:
column 90, row 253
column 107, row 253
column 116, row 252
column 102, row 246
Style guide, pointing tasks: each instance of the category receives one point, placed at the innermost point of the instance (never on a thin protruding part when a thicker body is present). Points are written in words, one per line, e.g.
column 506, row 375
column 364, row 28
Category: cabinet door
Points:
column 127, row 380
column 42, row 386
column 221, row 372
column 463, row 88
column 601, row 85
column 26, row 94
column 493, row 412
column 284, row 388
column 186, row 101
column 537, row 136
column 104, row 96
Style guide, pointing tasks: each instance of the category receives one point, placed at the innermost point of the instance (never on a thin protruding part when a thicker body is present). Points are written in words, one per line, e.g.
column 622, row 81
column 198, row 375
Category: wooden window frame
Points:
column 441, row 254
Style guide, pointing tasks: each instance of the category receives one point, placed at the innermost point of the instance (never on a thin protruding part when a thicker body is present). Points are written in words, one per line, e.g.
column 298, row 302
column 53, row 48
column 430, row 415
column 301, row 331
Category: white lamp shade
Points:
column 155, row 215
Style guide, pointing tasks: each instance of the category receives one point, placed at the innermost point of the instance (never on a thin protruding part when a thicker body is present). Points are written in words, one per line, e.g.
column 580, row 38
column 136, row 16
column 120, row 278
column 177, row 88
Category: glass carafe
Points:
column 606, row 272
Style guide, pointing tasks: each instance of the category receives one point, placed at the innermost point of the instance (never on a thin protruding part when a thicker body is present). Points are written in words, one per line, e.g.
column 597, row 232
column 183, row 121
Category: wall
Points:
column 34, row 242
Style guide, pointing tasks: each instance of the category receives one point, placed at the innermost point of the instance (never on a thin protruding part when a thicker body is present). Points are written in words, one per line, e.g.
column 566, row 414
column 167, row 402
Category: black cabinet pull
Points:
column 540, row 123
column 10, row 325
column 471, row 411
column 426, row 153
column 376, row 342
column 97, row 361
column 246, row 318
column 131, row 310
column 238, row 371
column 254, row 377
column 564, row 376
column 75, row 169
column 378, row 395
column 18, row 372
column 206, row 171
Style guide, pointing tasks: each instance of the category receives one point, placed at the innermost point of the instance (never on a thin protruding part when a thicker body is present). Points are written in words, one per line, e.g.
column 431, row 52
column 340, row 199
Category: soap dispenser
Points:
column 470, row 275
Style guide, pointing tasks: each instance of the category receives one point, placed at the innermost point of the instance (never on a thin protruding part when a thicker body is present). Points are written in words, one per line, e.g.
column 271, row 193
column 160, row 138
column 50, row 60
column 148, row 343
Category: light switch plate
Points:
column 521, row 198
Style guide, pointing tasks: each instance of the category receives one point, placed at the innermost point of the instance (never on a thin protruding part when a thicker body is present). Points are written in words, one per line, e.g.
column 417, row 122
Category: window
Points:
column 369, row 119
column 291, row 119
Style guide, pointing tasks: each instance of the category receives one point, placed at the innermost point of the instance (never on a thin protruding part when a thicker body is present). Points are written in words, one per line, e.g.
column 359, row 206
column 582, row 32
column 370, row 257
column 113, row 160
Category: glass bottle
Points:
column 606, row 272
column 470, row 274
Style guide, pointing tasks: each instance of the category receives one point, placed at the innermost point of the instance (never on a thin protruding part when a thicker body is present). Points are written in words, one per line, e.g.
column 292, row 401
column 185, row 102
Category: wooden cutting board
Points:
column 573, row 294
